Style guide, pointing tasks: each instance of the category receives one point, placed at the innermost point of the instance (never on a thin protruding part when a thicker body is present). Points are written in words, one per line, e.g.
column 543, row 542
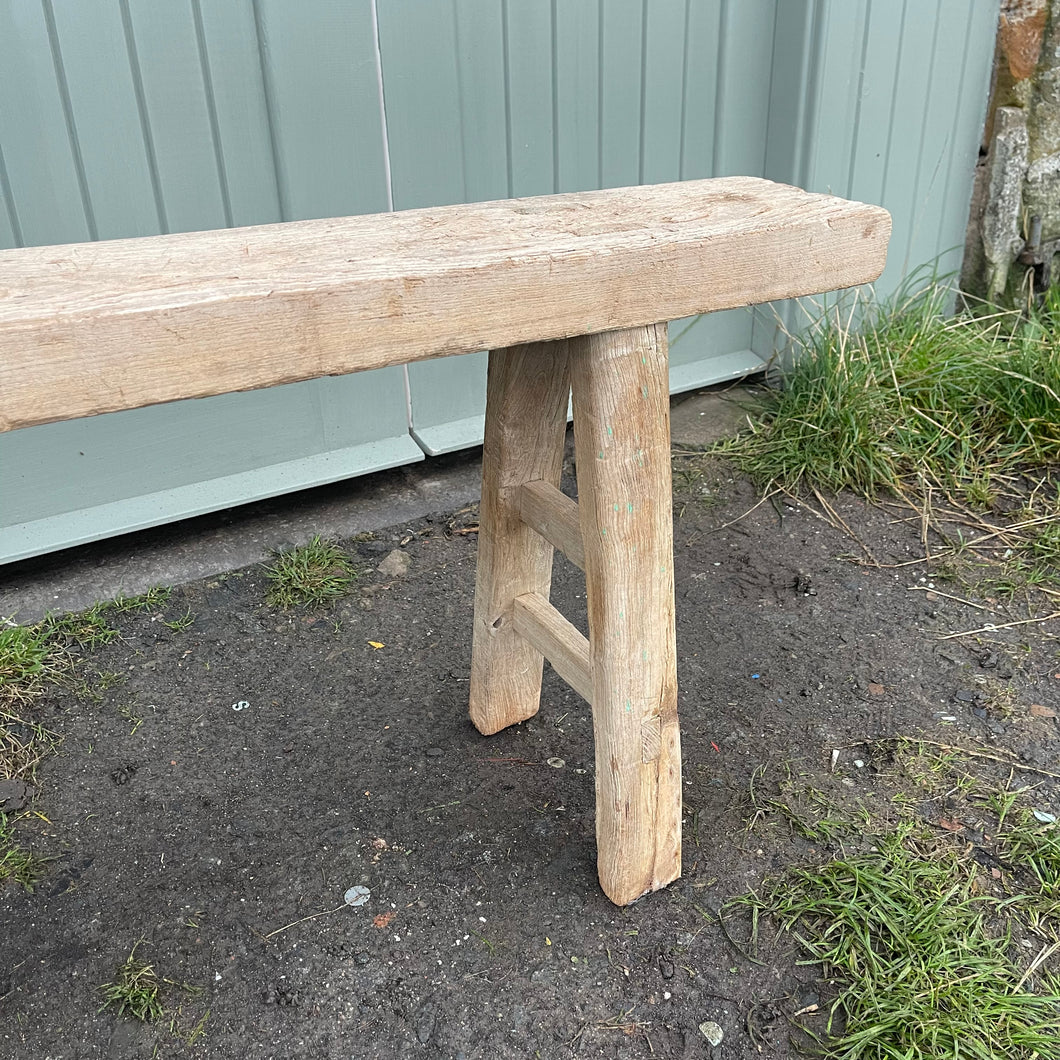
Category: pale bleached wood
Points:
column 97, row 327
column 622, row 439
column 561, row 643
column 555, row 517
column 527, row 388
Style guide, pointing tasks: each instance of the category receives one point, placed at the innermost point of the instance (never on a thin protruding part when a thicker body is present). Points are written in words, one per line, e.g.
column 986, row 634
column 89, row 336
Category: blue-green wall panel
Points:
column 321, row 86
column 665, row 57
column 124, row 117
column 577, row 92
column 167, row 66
column 40, row 160
column 91, row 54
column 233, row 68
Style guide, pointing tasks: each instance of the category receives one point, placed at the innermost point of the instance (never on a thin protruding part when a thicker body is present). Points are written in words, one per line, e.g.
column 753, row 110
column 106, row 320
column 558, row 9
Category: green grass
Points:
column 921, row 957
column 309, row 576
column 17, row 865
column 959, row 416
column 1036, row 847
column 47, row 654
column 136, row 990
column 918, row 393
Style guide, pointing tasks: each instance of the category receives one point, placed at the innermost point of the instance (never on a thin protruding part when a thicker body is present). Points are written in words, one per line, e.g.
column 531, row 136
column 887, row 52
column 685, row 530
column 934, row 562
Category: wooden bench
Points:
column 571, row 293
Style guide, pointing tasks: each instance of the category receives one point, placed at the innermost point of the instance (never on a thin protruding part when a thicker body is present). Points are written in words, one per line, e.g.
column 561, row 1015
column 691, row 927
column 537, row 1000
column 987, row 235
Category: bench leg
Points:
column 622, row 439
column 527, row 389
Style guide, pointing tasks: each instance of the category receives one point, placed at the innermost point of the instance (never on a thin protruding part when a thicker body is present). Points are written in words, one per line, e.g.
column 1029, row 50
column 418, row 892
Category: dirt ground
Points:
column 220, row 802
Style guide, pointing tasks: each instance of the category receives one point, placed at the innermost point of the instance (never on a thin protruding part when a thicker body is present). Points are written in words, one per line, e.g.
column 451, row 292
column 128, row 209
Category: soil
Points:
column 220, row 801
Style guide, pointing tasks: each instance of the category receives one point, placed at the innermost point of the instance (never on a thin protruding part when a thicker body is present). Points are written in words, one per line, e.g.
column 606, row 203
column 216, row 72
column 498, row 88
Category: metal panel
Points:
column 888, row 100
column 194, row 115
column 232, row 69
column 568, row 97
column 42, row 167
column 125, row 117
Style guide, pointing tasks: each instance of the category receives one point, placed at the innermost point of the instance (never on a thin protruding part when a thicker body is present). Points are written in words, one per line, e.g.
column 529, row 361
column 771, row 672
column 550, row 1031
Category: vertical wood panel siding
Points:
column 132, row 117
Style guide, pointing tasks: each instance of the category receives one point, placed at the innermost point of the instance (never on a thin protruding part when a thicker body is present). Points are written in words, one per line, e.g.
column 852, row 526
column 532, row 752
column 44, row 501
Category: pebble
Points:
column 434, row 752
column 712, row 1032
column 396, row 564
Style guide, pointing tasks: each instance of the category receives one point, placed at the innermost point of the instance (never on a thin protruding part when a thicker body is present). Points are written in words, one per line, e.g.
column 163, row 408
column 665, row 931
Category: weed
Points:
column 934, row 770
column 181, row 624
column 927, row 406
column 47, row 653
column 16, row 863
column 130, row 716
column 27, row 659
column 190, row 1037
column 92, row 628
column 308, row 576
column 919, row 968
column 1036, row 847
column 136, row 990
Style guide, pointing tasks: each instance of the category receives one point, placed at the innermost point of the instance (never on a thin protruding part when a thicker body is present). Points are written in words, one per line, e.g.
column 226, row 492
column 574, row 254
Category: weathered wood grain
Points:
column 557, row 639
column 622, row 439
column 527, row 388
column 97, row 327
column 555, row 517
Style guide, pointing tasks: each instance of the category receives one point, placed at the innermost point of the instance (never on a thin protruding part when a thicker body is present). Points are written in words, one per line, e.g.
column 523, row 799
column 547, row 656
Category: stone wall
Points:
column 1009, row 254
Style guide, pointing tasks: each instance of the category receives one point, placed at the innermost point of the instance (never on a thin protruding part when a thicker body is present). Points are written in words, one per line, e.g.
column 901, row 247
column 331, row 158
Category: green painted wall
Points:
column 131, row 117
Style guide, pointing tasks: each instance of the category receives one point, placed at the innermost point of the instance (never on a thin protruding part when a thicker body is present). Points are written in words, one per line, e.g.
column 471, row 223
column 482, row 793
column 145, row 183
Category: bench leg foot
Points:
column 527, row 390
column 622, row 438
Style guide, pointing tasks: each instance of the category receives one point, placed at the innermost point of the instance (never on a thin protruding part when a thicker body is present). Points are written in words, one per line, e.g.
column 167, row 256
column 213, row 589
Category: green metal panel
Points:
column 233, row 73
column 888, row 100
column 321, row 86
column 168, row 73
column 444, row 80
column 565, row 97
column 41, row 164
column 218, row 112
column 91, row 58
column 122, row 117
column 576, row 100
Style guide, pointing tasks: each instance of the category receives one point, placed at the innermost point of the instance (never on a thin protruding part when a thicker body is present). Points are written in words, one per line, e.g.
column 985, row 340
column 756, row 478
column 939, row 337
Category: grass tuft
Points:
column 17, row 864
column 930, row 407
column 1037, row 848
column 136, row 990
column 917, row 392
column 309, row 576
column 924, row 965
column 47, row 653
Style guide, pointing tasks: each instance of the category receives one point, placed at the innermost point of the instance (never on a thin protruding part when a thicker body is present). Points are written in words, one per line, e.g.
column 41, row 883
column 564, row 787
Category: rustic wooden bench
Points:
column 571, row 293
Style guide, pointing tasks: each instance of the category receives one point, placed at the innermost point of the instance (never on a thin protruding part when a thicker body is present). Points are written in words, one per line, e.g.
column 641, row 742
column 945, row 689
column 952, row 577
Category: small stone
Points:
column 396, row 564
column 876, row 689
column 712, row 1032
column 966, row 697
column 1038, row 710
column 434, row 752
column 362, row 958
